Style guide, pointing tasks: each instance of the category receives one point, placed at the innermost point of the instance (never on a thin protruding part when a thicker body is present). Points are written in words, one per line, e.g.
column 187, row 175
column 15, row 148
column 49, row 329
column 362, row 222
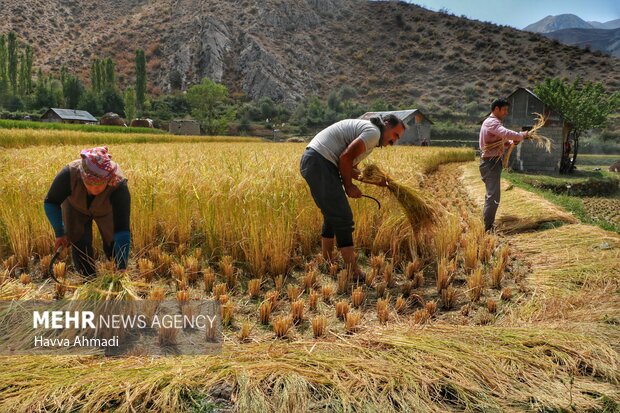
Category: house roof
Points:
column 72, row 114
column 404, row 115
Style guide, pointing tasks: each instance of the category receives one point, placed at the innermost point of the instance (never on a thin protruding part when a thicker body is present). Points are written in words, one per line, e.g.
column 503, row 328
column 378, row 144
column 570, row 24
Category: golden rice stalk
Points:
column 228, row 311
column 279, row 282
column 25, row 279
column 475, row 282
column 383, row 313
column 442, row 275
column 282, row 326
column 421, row 316
column 370, row 278
column 44, row 263
column 182, row 296
column 497, row 273
column 418, row 280
column 224, row 298
column 313, row 300
column 167, row 336
column 272, row 296
column 59, row 269
column 219, row 290
column 431, row 307
column 197, row 253
column 470, row 256
column 401, row 305
column 352, row 322
column 465, row 309
column 540, row 141
column 342, row 308
column 157, row 294
column 343, row 281
column 192, row 267
column 297, row 311
column 310, row 280
column 146, row 269
column 59, row 290
column 413, row 267
column 244, row 331
column 485, row 252
column 209, row 279
column 491, row 305
column 318, row 326
column 327, row 291
column 227, row 268
column 448, row 298
column 388, row 275
column 265, row 312
column 506, row 294
column 357, row 297
column 377, row 262
column 417, row 209
column 293, row 292
column 333, row 269
column 178, row 272
column 254, row 287
column 380, row 289
column 406, row 288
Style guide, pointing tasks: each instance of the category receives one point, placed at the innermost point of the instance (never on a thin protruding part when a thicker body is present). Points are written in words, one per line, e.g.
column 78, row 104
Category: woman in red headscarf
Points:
column 91, row 188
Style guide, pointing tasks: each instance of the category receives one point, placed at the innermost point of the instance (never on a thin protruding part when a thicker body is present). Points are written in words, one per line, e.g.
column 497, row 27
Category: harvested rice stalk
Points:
column 418, row 209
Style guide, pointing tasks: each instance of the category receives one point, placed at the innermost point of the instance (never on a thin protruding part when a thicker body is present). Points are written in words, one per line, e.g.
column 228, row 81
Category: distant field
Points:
column 21, row 138
column 24, row 124
column 598, row 160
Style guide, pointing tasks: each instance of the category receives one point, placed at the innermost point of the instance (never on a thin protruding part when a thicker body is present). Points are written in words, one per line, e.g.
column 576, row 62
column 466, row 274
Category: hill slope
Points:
column 290, row 49
column 559, row 22
column 606, row 41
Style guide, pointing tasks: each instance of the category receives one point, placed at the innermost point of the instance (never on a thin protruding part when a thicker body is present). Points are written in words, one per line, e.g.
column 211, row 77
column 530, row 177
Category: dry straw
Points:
column 419, row 211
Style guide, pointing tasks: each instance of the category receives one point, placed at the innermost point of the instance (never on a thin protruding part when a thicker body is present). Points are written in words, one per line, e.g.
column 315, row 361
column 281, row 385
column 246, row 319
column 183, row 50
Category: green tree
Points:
column 72, row 90
column 3, row 65
column 209, row 102
column 94, row 76
column 130, row 104
column 91, row 103
column 140, row 81
column 586, row 105
column 12, row 61
column 109, row 80
column 25, row 71
column 112, row 101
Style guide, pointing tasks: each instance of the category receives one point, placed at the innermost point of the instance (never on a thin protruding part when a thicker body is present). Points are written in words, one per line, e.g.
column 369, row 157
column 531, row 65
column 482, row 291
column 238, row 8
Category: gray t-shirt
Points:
column 333, row 140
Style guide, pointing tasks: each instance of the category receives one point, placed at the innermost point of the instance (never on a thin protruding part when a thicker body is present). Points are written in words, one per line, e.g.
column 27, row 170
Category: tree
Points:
column 176, row 80
column 12, row 61
column 25, row 71
column 72, row 90
column 585, row 105
column 109, row 79
column 3, row 66
column 130, row 104
column 90, row 102
column 112, row 101
column 140, row 81
column 209, row 102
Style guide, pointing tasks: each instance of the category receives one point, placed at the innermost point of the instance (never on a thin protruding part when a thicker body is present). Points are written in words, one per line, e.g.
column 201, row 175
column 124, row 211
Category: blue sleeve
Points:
column 54, row 216
column 122, row 241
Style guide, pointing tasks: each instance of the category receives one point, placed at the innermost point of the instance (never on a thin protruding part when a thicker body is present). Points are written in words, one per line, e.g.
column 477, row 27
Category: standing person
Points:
column 494, row 138
column 92, row 188
column 329, row 164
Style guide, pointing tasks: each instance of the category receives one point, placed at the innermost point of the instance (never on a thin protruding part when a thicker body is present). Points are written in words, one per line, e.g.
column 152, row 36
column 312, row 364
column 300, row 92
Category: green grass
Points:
column 597, row 160
column 23, row 124
column 572, row 204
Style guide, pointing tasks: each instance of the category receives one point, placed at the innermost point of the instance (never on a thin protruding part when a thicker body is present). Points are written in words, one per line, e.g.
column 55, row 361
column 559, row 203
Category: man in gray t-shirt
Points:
column 329, row 166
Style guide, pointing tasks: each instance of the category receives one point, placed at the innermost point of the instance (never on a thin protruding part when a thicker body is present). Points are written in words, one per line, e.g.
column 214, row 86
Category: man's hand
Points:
column 61, row 241
column 383, row 183
column 353, row 191
column 355, row 173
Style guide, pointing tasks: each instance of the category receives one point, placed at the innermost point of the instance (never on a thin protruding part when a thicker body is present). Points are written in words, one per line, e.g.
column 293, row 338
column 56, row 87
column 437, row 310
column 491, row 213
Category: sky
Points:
column 524, row 12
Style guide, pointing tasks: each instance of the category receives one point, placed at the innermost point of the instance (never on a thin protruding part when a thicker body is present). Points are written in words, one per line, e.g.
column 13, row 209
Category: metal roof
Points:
column 404, row 115
column 72, row 114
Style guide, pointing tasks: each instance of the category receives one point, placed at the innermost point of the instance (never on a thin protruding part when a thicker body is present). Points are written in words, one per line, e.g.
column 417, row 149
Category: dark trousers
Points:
column 491, row 173
column 83, row 254
column 325, row 184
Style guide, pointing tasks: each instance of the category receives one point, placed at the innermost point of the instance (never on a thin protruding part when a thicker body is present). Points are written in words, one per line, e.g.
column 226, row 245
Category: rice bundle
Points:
column 540, row 141
column 418, row 210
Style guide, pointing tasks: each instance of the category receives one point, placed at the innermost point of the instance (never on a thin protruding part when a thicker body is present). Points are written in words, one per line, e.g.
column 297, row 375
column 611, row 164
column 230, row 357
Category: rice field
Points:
column 448, row 318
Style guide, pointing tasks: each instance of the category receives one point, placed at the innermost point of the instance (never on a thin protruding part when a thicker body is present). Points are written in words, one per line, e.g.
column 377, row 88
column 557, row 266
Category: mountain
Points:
column 559, row 22
column 612, row 24
column 606, row 41
column 291, row 49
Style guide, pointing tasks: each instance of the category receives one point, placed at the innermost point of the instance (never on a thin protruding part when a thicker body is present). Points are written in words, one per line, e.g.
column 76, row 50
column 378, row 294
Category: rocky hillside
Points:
column 606, row 41
column 288, row 49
